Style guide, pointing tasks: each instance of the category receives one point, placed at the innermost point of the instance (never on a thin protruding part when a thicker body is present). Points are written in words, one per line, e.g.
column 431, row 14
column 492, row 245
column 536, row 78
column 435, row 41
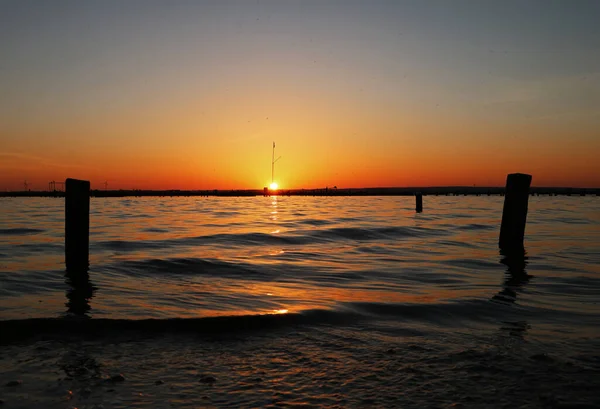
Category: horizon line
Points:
column 307, row 188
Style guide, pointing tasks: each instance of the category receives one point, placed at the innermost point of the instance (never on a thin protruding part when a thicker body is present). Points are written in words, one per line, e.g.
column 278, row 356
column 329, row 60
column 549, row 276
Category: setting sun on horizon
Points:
column 189, row 95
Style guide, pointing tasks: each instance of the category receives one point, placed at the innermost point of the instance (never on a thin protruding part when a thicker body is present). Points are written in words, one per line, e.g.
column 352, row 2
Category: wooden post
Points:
column 419, row 200
column 77, row 224
column 514, row 214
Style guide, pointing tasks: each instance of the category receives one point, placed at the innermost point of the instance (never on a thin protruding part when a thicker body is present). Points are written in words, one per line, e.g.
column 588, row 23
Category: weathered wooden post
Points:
column 77, row 224
column 419, row 202
column 514, row 214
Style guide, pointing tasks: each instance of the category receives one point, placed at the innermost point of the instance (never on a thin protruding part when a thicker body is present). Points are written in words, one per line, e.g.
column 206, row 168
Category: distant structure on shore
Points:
column 273, row 186
column 374, row 191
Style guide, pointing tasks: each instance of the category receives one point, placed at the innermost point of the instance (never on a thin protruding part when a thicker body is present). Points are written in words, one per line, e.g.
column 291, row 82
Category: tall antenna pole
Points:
column 273, row 160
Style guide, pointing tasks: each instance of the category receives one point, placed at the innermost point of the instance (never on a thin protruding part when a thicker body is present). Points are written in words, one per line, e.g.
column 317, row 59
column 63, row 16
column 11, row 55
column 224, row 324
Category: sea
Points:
column 324, row 302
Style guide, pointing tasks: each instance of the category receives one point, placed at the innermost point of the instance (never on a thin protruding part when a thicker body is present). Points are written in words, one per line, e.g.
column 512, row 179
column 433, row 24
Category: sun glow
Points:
column 273, row 186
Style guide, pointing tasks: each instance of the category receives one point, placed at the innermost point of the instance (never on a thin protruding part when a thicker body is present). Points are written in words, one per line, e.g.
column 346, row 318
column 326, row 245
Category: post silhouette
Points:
column 419, row 202
column 514, row 214
column 515, row 276
column 79, row 292
column 77, row 224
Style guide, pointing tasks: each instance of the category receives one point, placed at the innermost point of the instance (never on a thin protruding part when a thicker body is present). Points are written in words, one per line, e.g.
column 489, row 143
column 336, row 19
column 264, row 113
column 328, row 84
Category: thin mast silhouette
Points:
column 273, row 160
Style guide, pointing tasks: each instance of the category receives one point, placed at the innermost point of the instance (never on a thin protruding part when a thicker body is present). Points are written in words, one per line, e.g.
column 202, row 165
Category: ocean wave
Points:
column 65, row 327
column 316, row 222
column 351, row 313
column 377, row 233
column 190, row 266
column 14, row 283
column 476, row 226
column 154, row 230
column 441, row 313
column 245, row 239
column 452, row 314
column 301, row 237
column 21, row 231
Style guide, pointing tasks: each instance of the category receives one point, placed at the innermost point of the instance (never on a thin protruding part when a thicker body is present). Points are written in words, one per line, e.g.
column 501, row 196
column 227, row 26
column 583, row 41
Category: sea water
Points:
column 313, row 301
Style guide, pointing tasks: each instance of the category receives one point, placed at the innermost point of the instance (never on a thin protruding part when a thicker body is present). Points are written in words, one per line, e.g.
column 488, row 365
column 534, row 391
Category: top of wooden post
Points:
column 77, row 183
column 520, row 178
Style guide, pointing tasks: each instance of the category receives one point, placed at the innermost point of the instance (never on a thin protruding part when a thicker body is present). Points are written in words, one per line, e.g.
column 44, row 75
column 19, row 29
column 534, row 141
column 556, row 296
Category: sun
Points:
column 273, row 186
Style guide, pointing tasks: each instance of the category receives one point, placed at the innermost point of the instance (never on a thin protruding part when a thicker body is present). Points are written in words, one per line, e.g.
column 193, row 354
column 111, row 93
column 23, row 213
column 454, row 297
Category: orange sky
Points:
column 191, row 97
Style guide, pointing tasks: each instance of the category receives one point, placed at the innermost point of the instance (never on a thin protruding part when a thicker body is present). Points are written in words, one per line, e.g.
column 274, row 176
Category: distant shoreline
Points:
column 375, row 191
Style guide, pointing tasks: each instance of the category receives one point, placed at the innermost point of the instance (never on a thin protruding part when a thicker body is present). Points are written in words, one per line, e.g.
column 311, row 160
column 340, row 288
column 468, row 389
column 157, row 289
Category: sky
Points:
column 191, row 94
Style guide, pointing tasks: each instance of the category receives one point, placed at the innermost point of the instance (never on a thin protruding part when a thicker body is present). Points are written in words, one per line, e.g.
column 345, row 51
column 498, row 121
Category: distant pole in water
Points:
column 514, row 214
column 77, row 224
column 419, row 202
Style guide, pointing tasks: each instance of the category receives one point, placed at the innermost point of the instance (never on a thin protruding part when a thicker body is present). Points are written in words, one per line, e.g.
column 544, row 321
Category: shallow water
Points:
column 347, row 301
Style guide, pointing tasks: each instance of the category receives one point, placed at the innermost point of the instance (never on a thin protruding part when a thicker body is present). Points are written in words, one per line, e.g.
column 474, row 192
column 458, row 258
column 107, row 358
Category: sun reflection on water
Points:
column 274, row 210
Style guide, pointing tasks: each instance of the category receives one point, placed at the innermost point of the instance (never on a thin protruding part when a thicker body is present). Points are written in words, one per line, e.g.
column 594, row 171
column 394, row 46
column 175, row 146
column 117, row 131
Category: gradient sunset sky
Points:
column 191, row 94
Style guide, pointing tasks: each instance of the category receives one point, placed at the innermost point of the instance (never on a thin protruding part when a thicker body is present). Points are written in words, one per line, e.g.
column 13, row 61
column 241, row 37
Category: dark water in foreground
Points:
column 336, row 302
